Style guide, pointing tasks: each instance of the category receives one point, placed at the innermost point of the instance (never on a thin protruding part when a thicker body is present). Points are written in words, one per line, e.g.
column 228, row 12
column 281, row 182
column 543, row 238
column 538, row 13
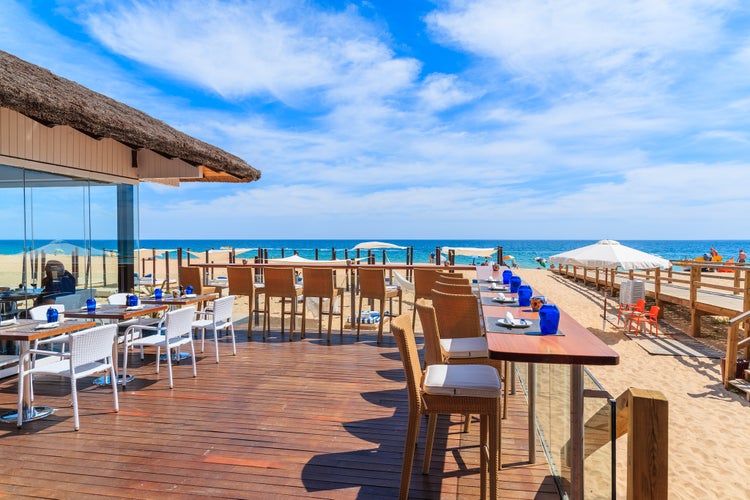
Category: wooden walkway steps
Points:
column 287, row 420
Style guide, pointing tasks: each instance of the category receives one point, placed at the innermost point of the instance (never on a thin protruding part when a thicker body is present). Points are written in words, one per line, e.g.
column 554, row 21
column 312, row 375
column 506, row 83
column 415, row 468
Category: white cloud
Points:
column 441, row 91
column 287, row 50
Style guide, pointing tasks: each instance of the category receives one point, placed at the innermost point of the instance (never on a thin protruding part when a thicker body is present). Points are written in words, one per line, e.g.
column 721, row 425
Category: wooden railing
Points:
column 681, row 287
column 735, row 344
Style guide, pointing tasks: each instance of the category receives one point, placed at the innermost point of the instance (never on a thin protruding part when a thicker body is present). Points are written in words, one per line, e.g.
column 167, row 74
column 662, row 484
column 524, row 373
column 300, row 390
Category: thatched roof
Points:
column 42, row 96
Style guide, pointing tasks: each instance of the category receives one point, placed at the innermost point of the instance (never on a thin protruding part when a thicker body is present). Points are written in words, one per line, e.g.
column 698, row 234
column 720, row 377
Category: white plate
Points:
column 45, row 326
column 517, row 323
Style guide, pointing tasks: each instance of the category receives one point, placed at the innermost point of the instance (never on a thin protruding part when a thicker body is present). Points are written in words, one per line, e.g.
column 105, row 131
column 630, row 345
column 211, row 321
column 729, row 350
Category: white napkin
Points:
column 509, row 318
column 134, row 308
column 7, row 322
column 494, row 286
column 500, row 297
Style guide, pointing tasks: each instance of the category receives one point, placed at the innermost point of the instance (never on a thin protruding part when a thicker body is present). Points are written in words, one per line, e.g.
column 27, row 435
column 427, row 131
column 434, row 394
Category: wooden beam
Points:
column 648, row 445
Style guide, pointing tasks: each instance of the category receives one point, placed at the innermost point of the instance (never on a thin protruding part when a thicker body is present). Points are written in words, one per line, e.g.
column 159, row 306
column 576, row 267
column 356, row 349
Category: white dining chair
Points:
column 90, row 353
column 218, row 317
column 177, row 330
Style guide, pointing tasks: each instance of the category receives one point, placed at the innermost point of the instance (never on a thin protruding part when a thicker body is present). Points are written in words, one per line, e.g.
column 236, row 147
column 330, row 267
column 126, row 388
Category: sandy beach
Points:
column 706, row 423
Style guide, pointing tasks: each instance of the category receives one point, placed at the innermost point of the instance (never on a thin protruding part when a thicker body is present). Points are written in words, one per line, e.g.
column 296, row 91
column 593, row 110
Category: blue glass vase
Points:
column 158, row 293
column 132, row 300
column 549, row 319
column 90, row 305
column 515, row 282
column 52, row 315
column 524, row 295
column 507, row 274
column 188, row 290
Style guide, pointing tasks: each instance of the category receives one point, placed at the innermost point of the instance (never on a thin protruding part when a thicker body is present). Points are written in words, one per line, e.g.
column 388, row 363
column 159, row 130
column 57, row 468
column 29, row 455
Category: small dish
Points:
column 516, row 323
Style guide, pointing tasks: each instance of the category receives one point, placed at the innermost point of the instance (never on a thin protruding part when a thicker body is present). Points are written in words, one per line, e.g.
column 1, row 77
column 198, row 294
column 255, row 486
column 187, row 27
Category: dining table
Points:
column 25, row 331
column 175, row 301
column 572, row 345
column 113, row 312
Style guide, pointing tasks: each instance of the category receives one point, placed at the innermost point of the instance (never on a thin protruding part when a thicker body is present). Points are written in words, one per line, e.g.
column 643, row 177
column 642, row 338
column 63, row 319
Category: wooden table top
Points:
column 184, row 300
column 577, row 345
column 26, row 329
column 116, row 312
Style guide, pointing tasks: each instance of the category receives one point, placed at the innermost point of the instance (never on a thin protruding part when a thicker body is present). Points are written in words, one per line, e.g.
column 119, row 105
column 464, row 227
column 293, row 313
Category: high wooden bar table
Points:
column 576, row 347
column 341, row 265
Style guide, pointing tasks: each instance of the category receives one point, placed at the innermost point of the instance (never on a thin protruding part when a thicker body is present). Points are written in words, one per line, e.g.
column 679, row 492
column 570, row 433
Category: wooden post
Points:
column 153, row 266
column 317, row 256
column 695, row 316
column 657, row 290
column 500, row 255
column 596, row 279
column 648, row 445
column 746, row 291
column 166, row 271
column 730, row 360
column 437, row 255
column 104, row 266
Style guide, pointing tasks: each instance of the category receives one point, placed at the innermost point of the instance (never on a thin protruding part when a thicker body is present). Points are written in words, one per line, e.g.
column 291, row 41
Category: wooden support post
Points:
column 648, row 445
column 695, row 315
column 746, row 291
column 500, row 255
column 596, row 279
column 657, row 291
column 730, row 359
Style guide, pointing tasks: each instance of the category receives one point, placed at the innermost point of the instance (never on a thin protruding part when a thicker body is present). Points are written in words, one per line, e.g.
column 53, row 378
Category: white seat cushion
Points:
column 469, row 347
column 481, row 381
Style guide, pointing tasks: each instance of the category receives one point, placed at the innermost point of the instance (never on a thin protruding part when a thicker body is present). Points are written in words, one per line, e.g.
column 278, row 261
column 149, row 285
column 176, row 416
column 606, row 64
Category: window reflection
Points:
column 59, row 238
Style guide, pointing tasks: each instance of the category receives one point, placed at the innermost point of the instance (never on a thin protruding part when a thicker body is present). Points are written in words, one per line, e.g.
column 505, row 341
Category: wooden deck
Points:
column 301, row 419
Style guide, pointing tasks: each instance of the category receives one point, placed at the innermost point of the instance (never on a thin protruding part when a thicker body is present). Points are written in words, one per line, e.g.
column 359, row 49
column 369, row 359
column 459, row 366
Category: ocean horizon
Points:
column 523, row 251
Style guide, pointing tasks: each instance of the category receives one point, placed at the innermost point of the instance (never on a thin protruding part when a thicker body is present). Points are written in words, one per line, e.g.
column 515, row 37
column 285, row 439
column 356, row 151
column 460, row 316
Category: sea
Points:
column 524, row 252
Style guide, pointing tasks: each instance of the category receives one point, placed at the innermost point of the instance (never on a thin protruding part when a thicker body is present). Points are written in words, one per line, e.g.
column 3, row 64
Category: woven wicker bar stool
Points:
column 319, row 283
column 372, row 286
column 465, row 350
column 280, row 283
column 424, row 281
column 242, row 282
column 465, row 389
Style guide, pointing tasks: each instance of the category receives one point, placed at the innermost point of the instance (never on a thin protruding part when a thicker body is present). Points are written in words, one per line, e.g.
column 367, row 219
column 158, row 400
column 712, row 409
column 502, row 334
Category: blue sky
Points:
column 427, row 119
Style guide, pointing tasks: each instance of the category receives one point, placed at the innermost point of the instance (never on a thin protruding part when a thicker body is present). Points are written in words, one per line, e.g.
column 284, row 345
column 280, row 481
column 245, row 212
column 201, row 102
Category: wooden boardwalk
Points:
column 707, row 293
column 287, row 420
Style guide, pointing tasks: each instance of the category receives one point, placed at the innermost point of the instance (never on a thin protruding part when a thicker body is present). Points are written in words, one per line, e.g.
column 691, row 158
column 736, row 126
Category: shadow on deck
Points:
column 300, row 419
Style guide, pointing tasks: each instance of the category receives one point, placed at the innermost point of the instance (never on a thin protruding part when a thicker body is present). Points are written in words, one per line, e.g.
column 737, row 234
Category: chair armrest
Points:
column 49, row 353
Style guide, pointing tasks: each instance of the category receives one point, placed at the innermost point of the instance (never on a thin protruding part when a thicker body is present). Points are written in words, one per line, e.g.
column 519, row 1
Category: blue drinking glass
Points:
column 515, row 282
column 158, row 293
column 90, row 305
column 52, row 315
column 507, row 274
column 132, row 300
column 549, row 319
column 524, row 295
column 188, row 290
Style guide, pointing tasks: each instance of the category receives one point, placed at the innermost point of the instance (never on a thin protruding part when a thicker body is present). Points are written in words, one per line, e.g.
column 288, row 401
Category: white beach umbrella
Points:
column 470, row 251
column 609, row 254
column 371, row 245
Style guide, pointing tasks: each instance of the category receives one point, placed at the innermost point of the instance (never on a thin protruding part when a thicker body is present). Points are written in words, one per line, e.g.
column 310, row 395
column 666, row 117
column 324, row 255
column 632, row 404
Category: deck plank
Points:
column 296, row 420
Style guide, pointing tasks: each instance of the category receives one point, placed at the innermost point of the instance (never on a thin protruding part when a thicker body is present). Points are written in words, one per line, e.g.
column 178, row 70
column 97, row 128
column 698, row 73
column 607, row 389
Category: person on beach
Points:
column 56, row 282
column 714, row 253
column 432, row 257
column 742, row 256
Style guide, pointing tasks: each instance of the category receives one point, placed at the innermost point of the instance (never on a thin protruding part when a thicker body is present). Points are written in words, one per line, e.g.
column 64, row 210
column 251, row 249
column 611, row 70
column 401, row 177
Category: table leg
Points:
column 532, row 413
column 352, row 299
column 576, row 432
column 28, row 412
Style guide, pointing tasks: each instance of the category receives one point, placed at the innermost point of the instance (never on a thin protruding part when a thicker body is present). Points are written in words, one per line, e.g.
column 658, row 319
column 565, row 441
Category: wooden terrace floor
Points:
column 286, row 420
